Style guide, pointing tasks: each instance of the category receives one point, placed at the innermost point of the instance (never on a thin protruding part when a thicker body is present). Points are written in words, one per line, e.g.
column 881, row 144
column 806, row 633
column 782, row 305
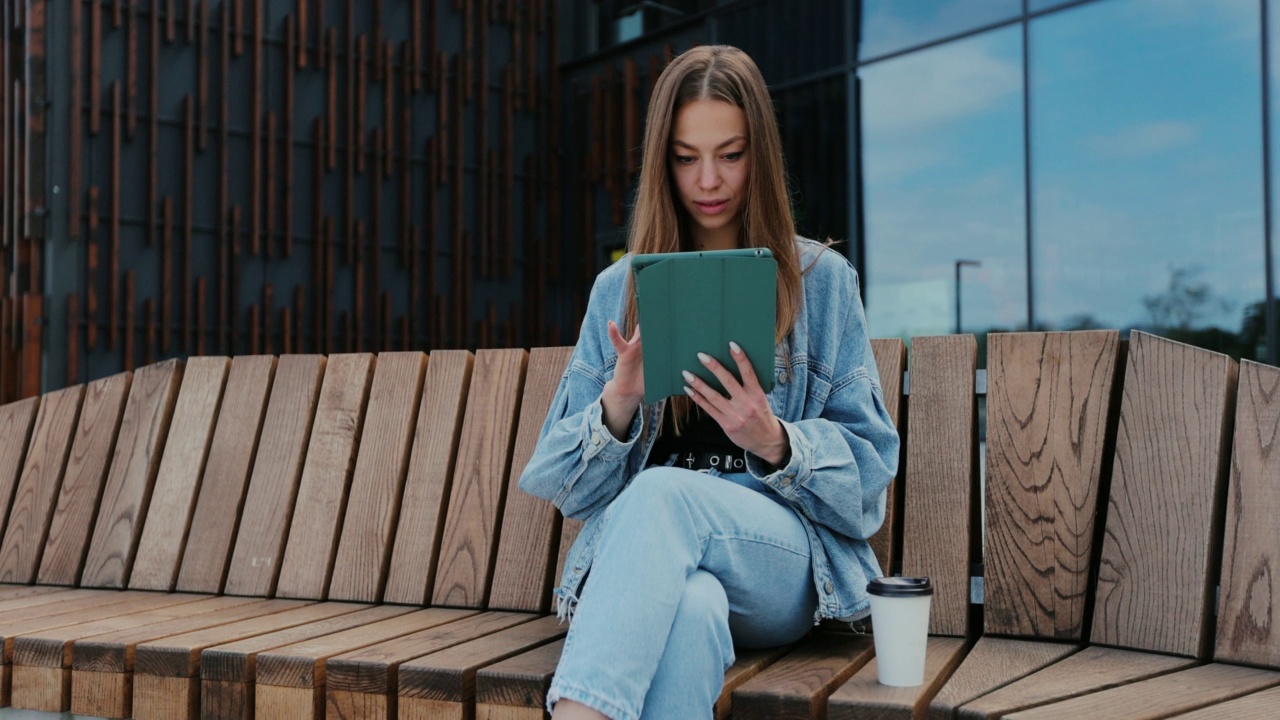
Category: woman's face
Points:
column 710, row 156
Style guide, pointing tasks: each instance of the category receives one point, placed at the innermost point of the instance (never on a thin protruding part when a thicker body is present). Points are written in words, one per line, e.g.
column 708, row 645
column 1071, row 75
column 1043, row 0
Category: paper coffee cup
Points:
column 900, row 626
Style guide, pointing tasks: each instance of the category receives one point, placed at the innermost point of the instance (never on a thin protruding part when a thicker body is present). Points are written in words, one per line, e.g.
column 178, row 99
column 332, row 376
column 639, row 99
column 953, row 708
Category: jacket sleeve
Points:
column 578, row 464
column 844, row 452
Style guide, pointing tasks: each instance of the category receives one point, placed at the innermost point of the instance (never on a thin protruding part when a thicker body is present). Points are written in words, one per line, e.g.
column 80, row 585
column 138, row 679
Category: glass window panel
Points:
column 889, row 25
column 1034, row 5
column 811, row 121
column 1146, row 154
column 942, row 159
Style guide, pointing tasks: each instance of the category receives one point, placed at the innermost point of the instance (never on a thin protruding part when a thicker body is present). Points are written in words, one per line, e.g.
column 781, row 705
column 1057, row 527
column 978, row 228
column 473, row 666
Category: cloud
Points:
column 925, row 90
column 1142, row 140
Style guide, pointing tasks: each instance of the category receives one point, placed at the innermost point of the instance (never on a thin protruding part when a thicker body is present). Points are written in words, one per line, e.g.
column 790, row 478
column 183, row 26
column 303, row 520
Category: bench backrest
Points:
column 1163, row 519
column 891, row 363
column 1248, row 616
column 1049, row 411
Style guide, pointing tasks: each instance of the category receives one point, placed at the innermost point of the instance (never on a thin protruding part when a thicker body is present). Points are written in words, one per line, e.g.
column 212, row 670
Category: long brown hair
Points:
column 660, row 224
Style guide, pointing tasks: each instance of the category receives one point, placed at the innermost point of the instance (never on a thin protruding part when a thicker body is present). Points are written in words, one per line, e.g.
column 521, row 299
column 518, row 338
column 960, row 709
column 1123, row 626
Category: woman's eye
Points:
column 685, row 159
column 733, row 156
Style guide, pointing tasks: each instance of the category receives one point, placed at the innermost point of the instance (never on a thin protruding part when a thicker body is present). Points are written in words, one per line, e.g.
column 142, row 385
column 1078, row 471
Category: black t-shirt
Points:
column 700, row 433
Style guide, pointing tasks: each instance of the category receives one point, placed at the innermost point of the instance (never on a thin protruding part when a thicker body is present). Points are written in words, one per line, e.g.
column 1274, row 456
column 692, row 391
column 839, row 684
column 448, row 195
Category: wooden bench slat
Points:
column 797, row 685
column 222, row 486
column 1152, row 593
column 322, row 494
column 1049, row 397
column 102, row 666
column 33, row 501
column 522, row 574
column 1246, row 622
column 941, row 475
column 139, row 445
column 9, row 592
column 448, row 676
column 862, row 696
column 373, row 503
column 1090, row 670
column 991, row 664
column 517, row 682
column 227, row 689
column 51, row 594
column 1256, row 706
column 290, row 679
column 166, row 682
column 363, row 683
column 747, row 664
column 277, row 471
column 82, row 483
column 185, row 452
column 1161, row 696
column 70, row 601
column 426, row 489
column 16, row 421
column 469, row 544
column 891, row 362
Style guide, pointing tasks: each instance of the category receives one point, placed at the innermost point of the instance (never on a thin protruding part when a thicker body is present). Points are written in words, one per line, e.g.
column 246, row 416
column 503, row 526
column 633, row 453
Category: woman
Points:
column 684, row 563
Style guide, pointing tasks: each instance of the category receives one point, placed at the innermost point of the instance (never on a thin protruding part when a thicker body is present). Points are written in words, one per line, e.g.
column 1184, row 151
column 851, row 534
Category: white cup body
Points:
column 901, row 630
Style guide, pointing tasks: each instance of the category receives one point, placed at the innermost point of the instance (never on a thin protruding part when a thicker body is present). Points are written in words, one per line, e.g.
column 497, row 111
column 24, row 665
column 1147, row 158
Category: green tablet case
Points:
column 692, row 302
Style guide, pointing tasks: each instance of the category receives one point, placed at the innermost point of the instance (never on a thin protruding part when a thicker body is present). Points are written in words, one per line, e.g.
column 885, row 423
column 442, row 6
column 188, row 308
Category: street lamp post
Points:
column 960, row 264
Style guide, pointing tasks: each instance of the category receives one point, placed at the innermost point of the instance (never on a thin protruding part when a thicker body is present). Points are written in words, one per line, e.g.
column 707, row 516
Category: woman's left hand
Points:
column 744, row 413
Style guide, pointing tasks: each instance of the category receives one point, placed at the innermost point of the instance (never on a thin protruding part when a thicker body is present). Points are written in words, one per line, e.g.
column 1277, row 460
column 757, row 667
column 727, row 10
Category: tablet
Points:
column 692, row 302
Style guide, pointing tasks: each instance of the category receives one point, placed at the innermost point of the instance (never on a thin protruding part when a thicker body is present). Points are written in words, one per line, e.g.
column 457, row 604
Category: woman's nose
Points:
column 708, row 177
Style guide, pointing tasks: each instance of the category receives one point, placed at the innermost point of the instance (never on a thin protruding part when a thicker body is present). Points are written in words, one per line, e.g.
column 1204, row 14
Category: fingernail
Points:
column 688, row 391
column 734, row 347
column 688, row 376
column 705, row 358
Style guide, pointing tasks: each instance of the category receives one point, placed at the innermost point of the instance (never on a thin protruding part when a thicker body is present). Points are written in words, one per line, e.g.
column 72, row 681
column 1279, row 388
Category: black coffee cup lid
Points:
column 900, row 586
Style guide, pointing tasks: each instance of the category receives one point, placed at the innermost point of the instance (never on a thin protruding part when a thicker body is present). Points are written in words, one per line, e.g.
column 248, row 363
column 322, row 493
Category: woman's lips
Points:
column 712, row 208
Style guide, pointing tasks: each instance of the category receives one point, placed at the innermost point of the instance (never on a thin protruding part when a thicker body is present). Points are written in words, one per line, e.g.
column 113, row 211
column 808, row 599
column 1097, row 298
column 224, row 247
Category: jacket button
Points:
column 828, row 587
column 786, row 481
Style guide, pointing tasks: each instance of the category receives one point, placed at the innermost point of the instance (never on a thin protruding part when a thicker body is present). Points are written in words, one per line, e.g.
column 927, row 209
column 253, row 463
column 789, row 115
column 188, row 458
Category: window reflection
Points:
column 942, row 160
column 811, row 120
column 889, row 25
column 1146, row 173
column 1034, row 5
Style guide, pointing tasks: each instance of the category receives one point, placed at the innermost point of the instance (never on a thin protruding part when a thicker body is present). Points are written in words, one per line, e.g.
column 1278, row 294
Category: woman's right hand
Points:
column 625, row 391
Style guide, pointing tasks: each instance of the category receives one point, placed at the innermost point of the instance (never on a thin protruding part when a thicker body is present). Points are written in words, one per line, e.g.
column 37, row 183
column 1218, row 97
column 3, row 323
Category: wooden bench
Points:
column 340, row 537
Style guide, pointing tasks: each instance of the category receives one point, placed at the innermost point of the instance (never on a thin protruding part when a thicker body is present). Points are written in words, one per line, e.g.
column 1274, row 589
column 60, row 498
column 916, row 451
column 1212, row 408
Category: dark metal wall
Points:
column 266, row 176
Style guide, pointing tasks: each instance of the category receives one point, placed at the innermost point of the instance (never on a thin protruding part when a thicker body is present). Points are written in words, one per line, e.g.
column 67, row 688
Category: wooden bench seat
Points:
column 340, row 537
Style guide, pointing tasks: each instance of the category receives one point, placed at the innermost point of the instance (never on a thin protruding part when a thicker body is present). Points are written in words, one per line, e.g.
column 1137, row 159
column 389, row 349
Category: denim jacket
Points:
column 844, row 448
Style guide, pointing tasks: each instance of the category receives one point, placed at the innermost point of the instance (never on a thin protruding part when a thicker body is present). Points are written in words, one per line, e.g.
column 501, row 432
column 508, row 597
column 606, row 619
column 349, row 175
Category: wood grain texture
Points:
column 748, row 664
column 374, row 669
column 303, row 664
column 373, row 505
column 1255, row 706
column 67, row 542
column 322, row 494
column 165, row 698
column 993, row 663
column 941, row 476
column 115, row 651
column 426, row 489
column 1160, row 696
column 40, row 688
column 891, row 360
column 862, row 696
column 797, row 686
column 520, row 681
column 16, row 421
column 237, row 661
column 450, row 675
column 186, row 449
column 530, row 525
column 179, row 655
column 144, row 429
column 37, row 492
column 277, row 471
column 1247, row 611
column 1088, row 671
column 479, row 481
column 226, row 700
column 100, row 694
column 222, row 488
column 1049, row 398
column 1154, row 591
column 497, row 712
column 288, row 703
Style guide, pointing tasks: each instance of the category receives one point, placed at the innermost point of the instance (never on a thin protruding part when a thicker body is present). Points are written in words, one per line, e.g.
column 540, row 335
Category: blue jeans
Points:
column 688, row 564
